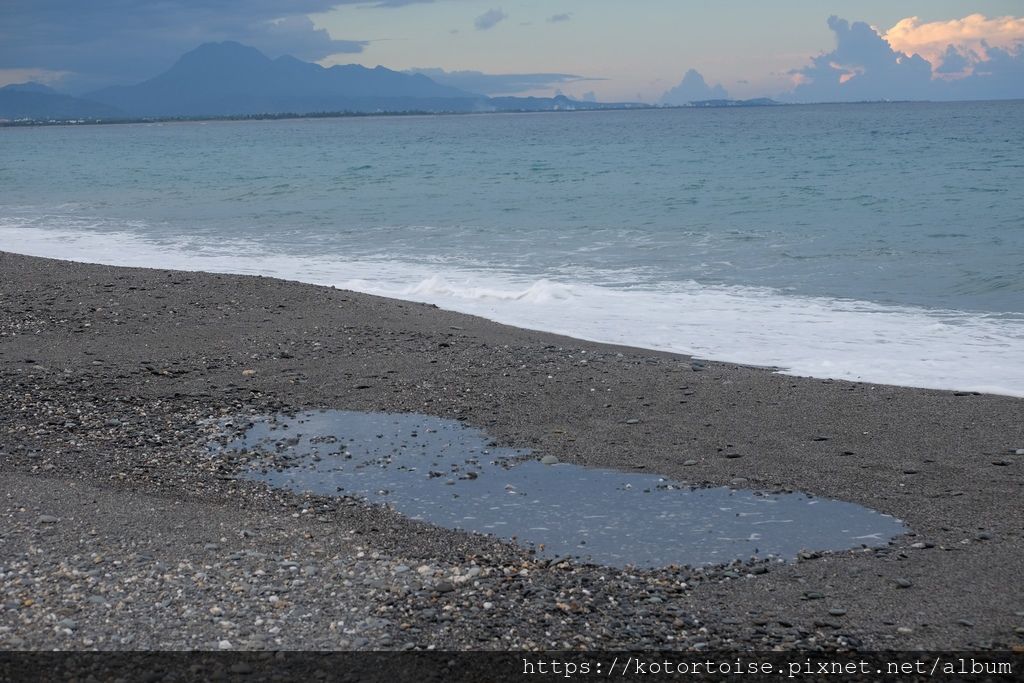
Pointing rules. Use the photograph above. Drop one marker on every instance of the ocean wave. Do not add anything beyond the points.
(800, 335)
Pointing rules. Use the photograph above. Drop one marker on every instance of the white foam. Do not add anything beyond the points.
(808, 336)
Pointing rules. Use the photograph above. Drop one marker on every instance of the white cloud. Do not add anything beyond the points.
(972, 37)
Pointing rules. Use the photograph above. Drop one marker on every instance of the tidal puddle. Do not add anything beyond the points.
(445, 473)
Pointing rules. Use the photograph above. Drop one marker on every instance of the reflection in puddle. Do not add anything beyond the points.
(445, 473)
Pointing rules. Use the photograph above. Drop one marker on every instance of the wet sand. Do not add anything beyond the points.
(119, 529)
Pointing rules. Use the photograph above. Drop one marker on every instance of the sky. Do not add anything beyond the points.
(667, 51)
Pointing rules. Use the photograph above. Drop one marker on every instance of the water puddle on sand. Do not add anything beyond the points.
(445, 473)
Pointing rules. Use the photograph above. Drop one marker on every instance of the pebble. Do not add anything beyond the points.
(549, 460)
(904, 583)
(220, 600)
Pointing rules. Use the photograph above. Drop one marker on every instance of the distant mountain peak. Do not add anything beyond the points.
(220, 55)
(229, 79)
(29, 86)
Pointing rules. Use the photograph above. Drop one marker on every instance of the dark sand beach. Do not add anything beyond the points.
(119, 530)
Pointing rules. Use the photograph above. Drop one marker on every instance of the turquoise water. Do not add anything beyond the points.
(880, 242)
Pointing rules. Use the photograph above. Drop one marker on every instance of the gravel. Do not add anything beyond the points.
(121, 529)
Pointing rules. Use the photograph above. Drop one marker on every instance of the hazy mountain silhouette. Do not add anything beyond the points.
(39, 102)
(227, 79)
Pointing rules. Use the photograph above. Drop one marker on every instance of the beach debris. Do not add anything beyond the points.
(248, 373)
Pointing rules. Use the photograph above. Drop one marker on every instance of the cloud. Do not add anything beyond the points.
(299, 37)
(693, 88)
(952, 62)
(556, 18)
(499, 84)
(862, 67)
(116, 41)
(865, 66)
(489, 19)
(971, 36)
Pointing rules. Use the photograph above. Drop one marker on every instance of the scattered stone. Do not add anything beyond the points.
(691, 463)
(46, 519)
(904, 583)
(549, 460)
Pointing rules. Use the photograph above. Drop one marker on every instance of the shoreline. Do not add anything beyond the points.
(105, 430)
(843, 339)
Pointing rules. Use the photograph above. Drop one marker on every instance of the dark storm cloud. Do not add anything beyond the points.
(122, 41)
(489, 19)
(864, 66)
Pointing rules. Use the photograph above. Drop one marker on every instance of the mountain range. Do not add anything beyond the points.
(231, 79)
(37, 101)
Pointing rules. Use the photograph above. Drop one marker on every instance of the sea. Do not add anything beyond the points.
(878, 242)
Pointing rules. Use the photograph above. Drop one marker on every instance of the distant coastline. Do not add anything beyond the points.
(287, 116)
(603, 107)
